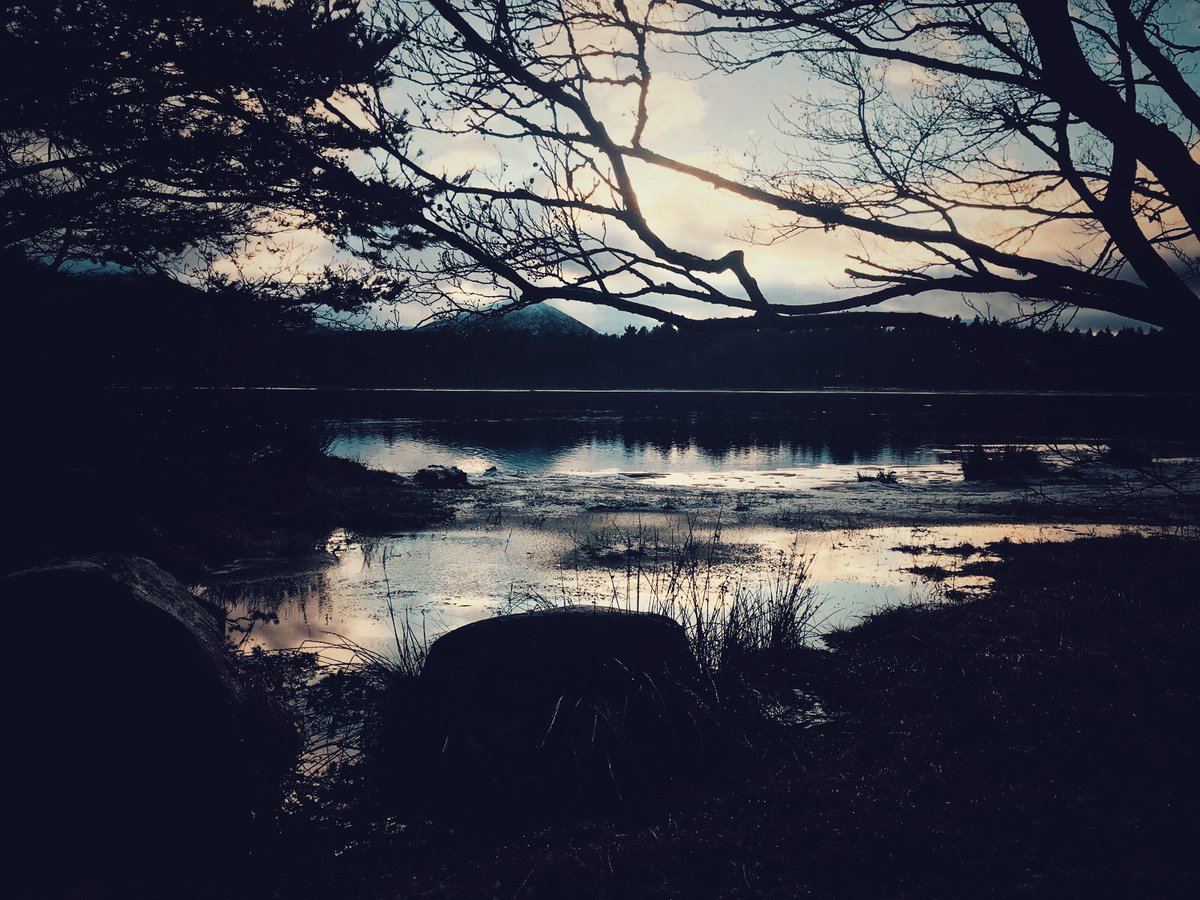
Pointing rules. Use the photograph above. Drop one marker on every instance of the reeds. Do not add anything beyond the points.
(738, 630)
(692, 575)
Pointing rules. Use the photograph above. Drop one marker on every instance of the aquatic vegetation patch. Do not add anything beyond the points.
(1001, 465)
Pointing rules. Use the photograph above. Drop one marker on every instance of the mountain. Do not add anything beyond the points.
(539, 319)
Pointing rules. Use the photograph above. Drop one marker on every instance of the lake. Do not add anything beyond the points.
(596, 497)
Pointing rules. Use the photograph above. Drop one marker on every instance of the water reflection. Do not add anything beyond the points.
(439, 580)
(766, 459)
(665, 432)
(294, 606)
(552, 446)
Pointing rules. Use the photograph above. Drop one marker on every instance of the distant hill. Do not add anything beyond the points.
(541, 320)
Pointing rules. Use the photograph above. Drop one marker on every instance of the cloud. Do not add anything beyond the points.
(284, 256)
(675, 109)
(469, 153)
(673, 105)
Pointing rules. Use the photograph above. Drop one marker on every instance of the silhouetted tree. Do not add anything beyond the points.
(1072, 125)
(1033, 149)
(140, 133)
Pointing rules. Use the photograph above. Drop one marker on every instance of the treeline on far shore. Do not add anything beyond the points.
(121, 332)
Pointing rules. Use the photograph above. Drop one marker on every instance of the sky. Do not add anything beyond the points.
(713, 122)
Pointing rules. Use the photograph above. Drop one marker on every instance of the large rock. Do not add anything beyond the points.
(577, 648)
(441, 477)
(578, 709)
(140, 759)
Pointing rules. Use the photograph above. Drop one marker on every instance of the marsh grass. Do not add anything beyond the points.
(623, 744)
(742, 633)
(693, 575)
(332, 689)
(881, 476)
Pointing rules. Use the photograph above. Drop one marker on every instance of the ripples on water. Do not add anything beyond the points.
(439, 580)
(720, 444)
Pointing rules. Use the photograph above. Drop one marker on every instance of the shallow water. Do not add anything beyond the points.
(433, 581)
(570, 483)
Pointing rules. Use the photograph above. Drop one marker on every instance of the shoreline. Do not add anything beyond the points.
(769, 392)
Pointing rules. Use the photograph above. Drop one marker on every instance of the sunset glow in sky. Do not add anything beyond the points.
(724, 122)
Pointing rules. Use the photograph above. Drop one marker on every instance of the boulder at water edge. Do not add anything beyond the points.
(572, 710)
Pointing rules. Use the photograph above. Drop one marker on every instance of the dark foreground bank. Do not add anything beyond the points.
(1038, 741)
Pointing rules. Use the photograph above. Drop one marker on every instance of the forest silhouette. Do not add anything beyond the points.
(135, 331)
